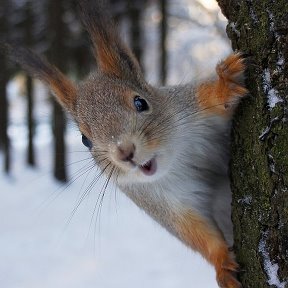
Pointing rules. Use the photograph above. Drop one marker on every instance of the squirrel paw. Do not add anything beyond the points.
(231, 80)
(226, 276)
(226, 279)
(223, 94)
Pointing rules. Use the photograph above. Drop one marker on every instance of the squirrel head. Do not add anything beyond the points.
(125, 122)
(125, 126)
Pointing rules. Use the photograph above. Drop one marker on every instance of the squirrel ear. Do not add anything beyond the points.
(63, 88)
(113, 56)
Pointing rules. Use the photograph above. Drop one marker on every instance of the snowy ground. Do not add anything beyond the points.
(125, 248)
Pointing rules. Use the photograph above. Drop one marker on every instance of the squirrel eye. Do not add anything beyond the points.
(140, 104)
(86, 142)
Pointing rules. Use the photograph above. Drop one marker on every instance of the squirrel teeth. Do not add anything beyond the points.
(149, 168)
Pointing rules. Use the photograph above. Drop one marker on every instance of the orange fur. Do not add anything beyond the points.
(201, 236)
(113, 56)
(108, 60)
(115, 59)
(154, 144)
(221, 95)
(38, 67)
(63, 88)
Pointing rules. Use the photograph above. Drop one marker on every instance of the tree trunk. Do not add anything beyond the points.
(57, 57)
(136, 33)
(163, 40)
(4, 139)
(30, 121)
(29, 87)
(59, 124)
(259, 164)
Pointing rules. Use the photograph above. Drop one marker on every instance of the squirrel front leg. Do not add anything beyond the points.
(220, 96)
(204, 237)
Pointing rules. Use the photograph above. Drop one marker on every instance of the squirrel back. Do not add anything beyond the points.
(166, 148)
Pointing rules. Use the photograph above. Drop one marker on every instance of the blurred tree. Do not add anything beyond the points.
(79, 53)
(135, 9)
(163, 40)
(131, 10)
(4, 77)
(259, 165)
(57, 55)
(28, 26)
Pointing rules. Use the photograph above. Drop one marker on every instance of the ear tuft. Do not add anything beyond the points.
(112, 55)
(38, 67)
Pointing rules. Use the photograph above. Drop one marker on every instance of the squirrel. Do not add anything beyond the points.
(167, 148)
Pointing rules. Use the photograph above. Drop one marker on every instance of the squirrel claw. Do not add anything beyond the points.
(227, 279)
(222, 95)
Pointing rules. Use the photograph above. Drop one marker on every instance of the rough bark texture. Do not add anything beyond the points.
(259, 165)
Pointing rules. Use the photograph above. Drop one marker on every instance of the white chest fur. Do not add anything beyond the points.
(196, 181)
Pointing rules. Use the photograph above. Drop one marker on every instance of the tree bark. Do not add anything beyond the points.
(259, 164)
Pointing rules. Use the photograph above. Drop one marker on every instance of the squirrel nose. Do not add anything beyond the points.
(126, 152)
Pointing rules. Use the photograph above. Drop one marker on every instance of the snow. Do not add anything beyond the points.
(281, 61)
(246, 200)
(272, 25)
(271, 163)
(267, 130)
(272, 94)
(273, 98)
(264, 133)
(271, 268)
(234, 29)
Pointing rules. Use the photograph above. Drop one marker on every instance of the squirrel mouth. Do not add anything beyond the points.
(149, 168)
